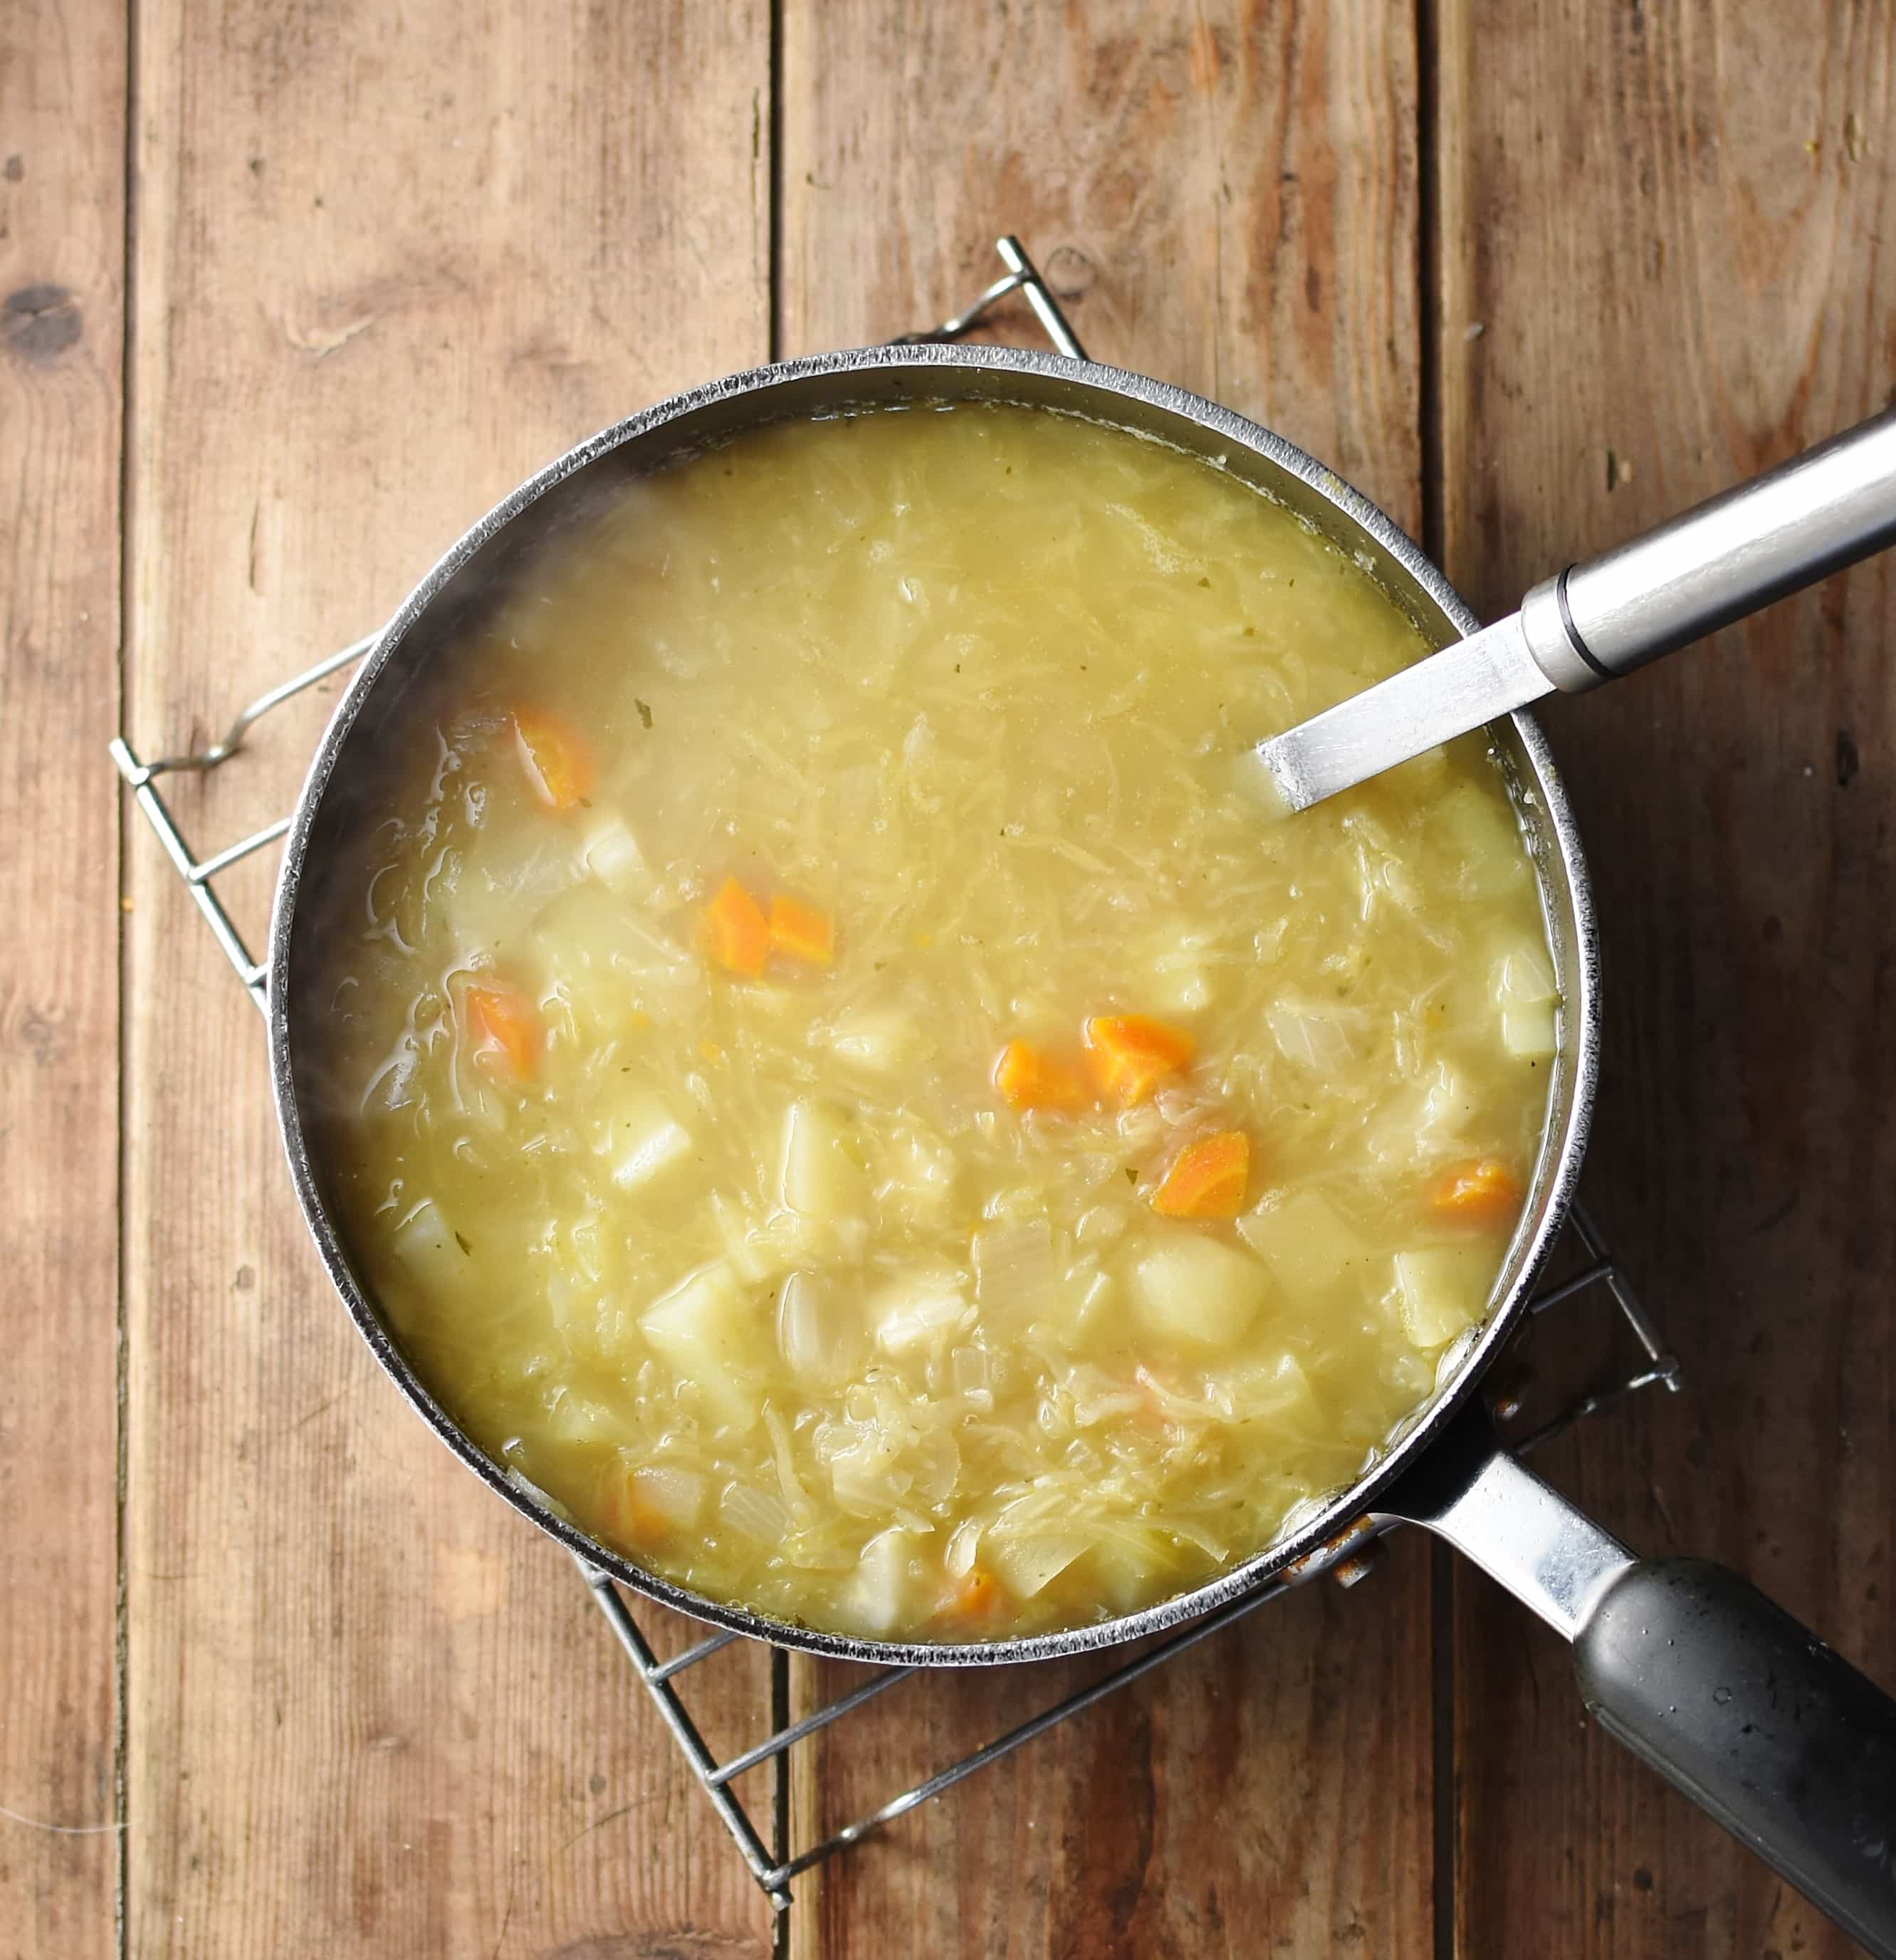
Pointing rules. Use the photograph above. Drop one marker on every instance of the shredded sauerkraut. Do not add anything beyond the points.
(836, 1084)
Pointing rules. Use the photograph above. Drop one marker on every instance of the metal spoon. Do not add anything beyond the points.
(1592, 622)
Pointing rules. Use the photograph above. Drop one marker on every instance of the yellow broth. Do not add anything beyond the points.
(835, 1077)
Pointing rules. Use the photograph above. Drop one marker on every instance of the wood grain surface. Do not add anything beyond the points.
(1532, 273)
(386, 263)
(1226, 199)
(61, 314)
(1665, 221)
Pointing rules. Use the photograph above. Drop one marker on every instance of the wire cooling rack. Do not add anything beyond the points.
(1588, 1272)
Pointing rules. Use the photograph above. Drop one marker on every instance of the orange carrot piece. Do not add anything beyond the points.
(1131, 1054)
(976, 1599)
(736, 933)
(631, 1520)
(1031, 1078)
(1486, 1193)
(1207, 1180)
(555, 756)
(503, 1031)
(799, 931)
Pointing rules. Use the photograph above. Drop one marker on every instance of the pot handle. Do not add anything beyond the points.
(1718, 1689)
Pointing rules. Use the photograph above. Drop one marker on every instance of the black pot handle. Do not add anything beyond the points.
(1695, 1671)
(1759, 1723)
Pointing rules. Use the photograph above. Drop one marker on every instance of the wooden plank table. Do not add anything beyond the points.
(288, 294)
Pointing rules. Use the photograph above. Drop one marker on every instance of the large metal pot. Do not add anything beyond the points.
(1773, 1733)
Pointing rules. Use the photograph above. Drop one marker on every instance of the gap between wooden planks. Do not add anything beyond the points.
(386, 265)
(1227, 199)
(61, 245)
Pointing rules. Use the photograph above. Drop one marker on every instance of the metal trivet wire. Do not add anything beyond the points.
(1345, 1558)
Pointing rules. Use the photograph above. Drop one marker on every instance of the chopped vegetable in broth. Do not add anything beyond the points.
(835, 1080)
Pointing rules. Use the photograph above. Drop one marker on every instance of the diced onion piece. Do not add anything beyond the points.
(1030, 1560)
(699, 1328)
(1198, 1290)
(1427, 1120)
(754, 1513)
(912, 1312)
(426, 1245)
(1276, 1390)
(644, 1141)
(958, 1560)
(1530, 1031)
(611, 854)
(1311, 1038)
(971, 1371)
(864, 1477)
(1443, 1290)
(817, 1332)
(822, 1173)
(1014, 1267)
(1305, 1241)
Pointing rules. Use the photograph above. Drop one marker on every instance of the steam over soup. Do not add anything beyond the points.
(834, 1079)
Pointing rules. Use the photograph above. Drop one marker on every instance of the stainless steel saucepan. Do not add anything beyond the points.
(1751, 1716)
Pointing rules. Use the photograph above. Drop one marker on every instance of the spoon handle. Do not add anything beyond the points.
(1823, 510)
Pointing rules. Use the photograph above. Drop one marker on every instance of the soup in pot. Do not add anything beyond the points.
(833, 1077)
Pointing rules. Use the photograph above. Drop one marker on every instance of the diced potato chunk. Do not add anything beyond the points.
(702, 1326)
(1530, 1031)
(426, 1246)
(1029, 1561)
(1309, 1245)
(1480, 835)
(666, 1492)
(1275, 1389)
(644, 1141)
(880, 1596)
(823, 1175)
(913, 1311)
(584, 1419)
(1523, 975)
(1197, 1290)
(1442, 1289)
(882, 1042)
(611, 854)
(920, 1173)
(1313, 1037)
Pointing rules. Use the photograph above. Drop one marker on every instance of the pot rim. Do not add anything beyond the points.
(1534, 1240)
